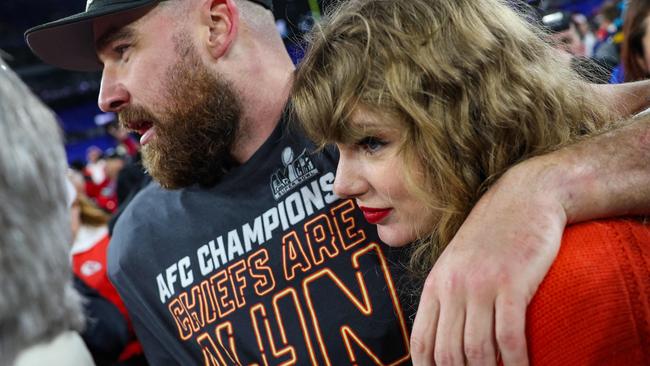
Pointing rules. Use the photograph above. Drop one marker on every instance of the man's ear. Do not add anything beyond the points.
(222, 18)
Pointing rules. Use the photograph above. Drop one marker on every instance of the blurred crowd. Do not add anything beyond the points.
(611, 44)
(103, 185)
(103, 177)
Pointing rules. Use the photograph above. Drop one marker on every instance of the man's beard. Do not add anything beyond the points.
(197, 129)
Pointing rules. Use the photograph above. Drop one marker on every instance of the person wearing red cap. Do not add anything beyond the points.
(240, 252)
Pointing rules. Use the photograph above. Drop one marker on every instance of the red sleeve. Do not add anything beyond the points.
(593, 307)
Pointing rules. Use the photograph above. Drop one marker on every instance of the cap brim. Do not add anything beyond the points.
(69, 43)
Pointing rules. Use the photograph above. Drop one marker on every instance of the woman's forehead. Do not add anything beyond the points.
(366, 119)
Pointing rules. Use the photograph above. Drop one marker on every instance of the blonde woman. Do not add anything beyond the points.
(430, 103)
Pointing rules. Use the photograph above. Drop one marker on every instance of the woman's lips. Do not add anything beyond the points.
(375, 215)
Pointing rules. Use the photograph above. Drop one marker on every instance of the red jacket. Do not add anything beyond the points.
(593, 307)
(89, 265)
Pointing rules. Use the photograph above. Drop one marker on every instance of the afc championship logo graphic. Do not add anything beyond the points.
(295, 171)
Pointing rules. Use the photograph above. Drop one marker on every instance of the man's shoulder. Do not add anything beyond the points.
(149, 202)
(151, 191)
(141, 215)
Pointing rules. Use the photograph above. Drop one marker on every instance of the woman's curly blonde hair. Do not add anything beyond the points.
(474, 87)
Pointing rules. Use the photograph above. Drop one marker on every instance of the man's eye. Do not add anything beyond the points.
(121, 49)
(371, 144)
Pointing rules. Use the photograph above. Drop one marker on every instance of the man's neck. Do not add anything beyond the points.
(263, 111)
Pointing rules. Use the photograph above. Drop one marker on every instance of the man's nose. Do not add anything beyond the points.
(113, 95)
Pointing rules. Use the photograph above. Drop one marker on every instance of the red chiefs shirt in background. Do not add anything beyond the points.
(89, 264)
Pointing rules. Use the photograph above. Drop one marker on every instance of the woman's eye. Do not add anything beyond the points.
(371, 144)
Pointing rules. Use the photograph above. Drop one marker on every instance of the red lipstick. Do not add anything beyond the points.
(375, 215)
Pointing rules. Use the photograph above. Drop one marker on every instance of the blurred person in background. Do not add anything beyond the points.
(94, 172)
(107, 198)
(103, 168)
(126, 145)
(635, 48)
(565, 32)
(40, 312)
(607, 19)
(131, 175)
(130, 180)
(609, 36)
(101, 174)
(76, 178)
(586, 35)
(109, 334)
(570, 34)
(95, 165)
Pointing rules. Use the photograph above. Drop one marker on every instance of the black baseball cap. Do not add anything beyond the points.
(69, 43)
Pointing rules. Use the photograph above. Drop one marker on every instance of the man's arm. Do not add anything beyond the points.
(625, 99)
(610, 173)
(474, 299)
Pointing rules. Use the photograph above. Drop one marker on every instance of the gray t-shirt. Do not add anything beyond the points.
(267, 267)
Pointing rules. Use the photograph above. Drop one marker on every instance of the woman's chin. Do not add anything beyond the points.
(394, 238)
